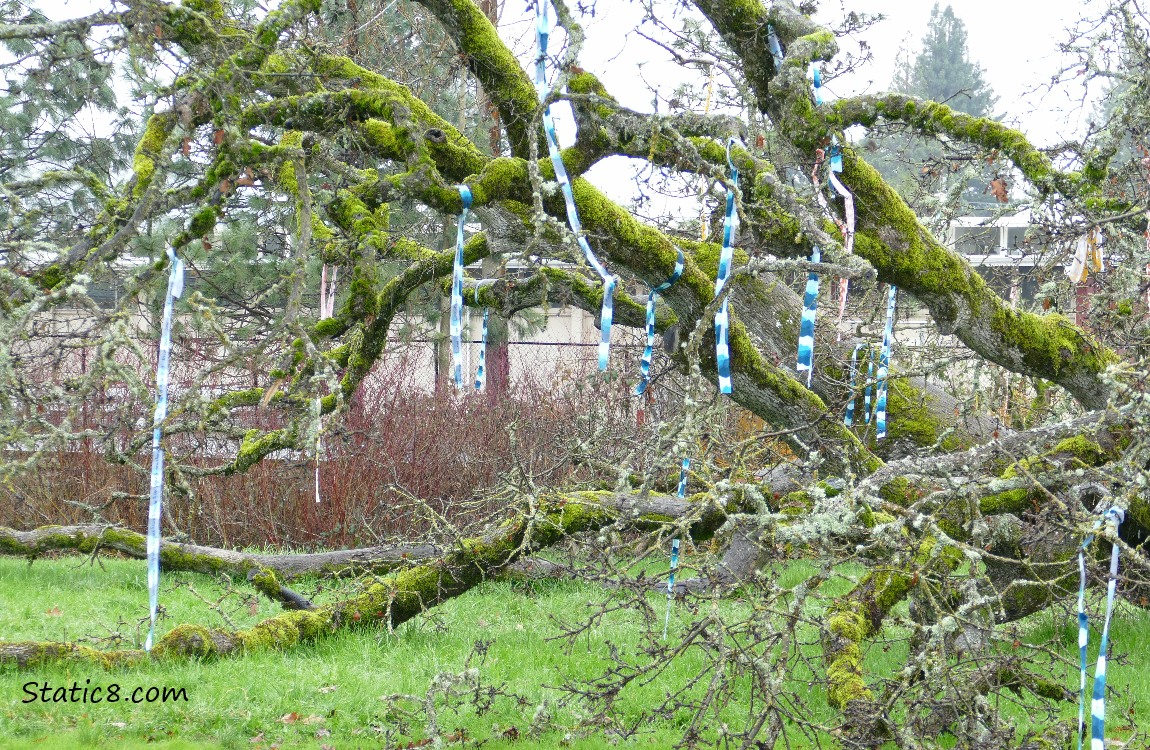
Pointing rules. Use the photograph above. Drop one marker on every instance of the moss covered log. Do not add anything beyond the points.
(93, 539)
(390, 602)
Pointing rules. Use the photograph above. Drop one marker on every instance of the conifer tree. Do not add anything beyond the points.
(942, 71)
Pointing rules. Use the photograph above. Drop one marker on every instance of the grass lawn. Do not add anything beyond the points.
(329, 694)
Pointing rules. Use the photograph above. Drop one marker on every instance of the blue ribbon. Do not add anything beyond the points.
(156, 488)
(648, 350)
(817, 80)
(674, 564)
(541, 34)
(807, 325)
(481, 370)
(675, 547)
(849, 418)
(722, 318)
(671, 582)
(836, 155)
(884, 363)
(457, 292)
(867, 390)
(775, 47)
(1113, 518)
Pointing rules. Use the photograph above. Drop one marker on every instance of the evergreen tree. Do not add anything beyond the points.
(942, 71)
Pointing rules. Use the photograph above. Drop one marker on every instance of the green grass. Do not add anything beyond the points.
(334, 688)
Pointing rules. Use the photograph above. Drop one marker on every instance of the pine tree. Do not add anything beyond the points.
(942, 71)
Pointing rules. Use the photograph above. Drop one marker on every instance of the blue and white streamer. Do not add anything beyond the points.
(541, 34)
(1113, 518)
(807, 325)
(648, 350)
(817, 80)
(683, 470)
(849, 418)
(481, 370)
(869, 382)
(723, 318)
(671, 583)
(775, 47)
(457, 292)
(884, 363)
(156, 488)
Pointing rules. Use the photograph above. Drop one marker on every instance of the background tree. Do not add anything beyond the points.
(941, 71)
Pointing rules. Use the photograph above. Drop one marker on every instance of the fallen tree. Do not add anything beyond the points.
(974, 521)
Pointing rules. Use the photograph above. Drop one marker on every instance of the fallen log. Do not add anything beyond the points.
(390, 602)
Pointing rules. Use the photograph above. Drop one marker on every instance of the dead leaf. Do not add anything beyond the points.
(321, 733)
(312, 719)
(291, 718)
(329, 688)
(225, 186)
(186, 146)
(54, 612)
(258, 738)
(247, 179)
(208, 246)
(511, 734)
(218, 136)
(253, 603)
(998, 188)
(117, 724)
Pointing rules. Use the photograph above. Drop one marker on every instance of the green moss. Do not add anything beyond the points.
(149, 148)
(256, 445)
(50, 277)
(203, 221)
(329, 327)
(1011, 501)
(587, 83)
(213, 9)
(1083, 449)
(844, 671)
(186, 640)
(1050, 343)
(899, 491)
(890, 588)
